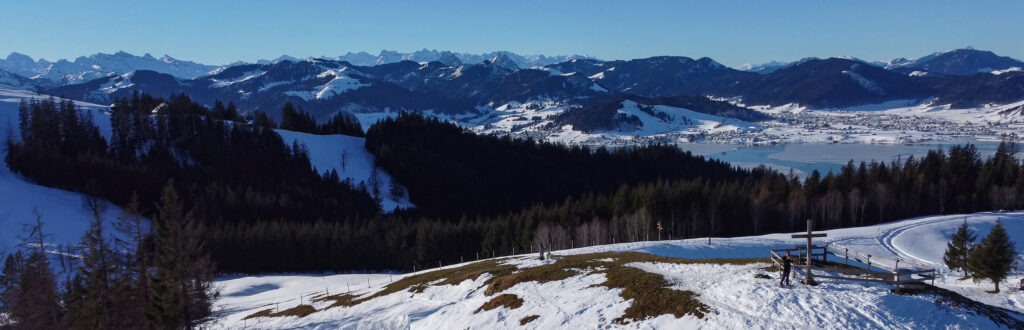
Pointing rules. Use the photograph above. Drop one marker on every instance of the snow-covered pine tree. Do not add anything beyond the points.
(993, 258)
(958, 247)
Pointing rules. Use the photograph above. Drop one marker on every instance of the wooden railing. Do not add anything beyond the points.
(896, 271)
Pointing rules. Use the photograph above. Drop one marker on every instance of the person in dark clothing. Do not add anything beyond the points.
(787, 264)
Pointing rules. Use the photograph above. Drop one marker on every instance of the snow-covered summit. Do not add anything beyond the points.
(589, 297)
(85, 68)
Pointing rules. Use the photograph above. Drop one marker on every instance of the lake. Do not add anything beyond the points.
(804, 158)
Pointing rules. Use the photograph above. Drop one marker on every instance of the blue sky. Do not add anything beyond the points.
(732, 32)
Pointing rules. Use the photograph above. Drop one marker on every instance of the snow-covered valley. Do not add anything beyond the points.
(901, 122)
(735, 297)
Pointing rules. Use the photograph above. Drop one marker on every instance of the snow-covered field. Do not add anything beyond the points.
(737, 298)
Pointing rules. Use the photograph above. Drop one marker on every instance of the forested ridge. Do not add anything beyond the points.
(260, 207)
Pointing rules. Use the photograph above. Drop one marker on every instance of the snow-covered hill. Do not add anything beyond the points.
(64, 216)
(586, 297)
(62, 213)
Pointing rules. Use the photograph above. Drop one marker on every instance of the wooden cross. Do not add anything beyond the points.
(810, 277)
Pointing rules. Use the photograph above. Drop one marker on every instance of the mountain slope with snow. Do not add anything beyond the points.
(735, 298)
(65, 218)
(62, 212)
(964, 61)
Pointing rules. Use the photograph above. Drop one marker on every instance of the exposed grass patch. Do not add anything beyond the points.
(507, 300)
(650, 293)
(299, 311)
(1002, 316)
(418, 283)
(528, 319)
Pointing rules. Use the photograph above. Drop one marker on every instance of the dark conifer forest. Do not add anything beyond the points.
(259, 206)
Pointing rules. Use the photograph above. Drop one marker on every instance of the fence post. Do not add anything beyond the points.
(869, 262)
(513, 251)
(478, 256)
(847, 256)
(824, 252)
(896, 270)
(439, 264)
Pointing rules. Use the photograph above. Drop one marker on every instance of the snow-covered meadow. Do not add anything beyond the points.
(737, 298)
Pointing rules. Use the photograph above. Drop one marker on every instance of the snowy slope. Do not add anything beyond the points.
(325, 153)
(62, 211)
(63, 215)
(739, 300)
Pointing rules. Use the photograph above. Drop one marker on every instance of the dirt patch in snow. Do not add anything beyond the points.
(300, 311)
(507, 300)
(528, 319)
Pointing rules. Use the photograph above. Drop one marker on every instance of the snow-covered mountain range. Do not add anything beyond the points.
(86, 68)
(549, 97)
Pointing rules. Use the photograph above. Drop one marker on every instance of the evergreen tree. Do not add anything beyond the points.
(37, 305)
(10, 285)
(396, 191)
(958, 248)
(374, 183)
(132, 283)
(992, 259)
(261, 119)
(91, 302)
(181, 286)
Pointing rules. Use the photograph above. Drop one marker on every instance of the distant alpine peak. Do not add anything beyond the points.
(961, 61)
(502, 60)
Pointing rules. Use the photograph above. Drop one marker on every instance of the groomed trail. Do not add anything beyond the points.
(735, 298)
